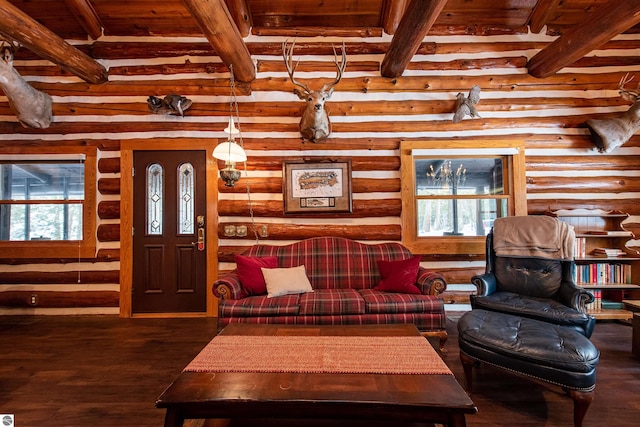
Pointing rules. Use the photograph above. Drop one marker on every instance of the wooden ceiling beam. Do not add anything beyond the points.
(392, 15)
(414, 26)
(241, 14)
(541, 13)
(217, 25)
(20, 27)
(611, 19)
(86, 15)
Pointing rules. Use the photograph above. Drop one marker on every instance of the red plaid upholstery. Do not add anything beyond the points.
(331, 301)
(261, 306)
(389, 302)
(343, 274)
(333, 262)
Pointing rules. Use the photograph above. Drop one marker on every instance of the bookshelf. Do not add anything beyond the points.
(605, 264)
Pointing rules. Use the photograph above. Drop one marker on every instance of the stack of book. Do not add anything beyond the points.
(609, 252)
(616, 233)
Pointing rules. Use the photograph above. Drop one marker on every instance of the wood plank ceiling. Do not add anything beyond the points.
(45, 27)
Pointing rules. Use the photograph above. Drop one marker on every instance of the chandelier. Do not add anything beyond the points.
(230, 151)
(445, 177)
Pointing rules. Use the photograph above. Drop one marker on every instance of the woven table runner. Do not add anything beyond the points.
(325, 354)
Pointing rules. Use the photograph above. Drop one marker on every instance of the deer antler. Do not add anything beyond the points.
(630, 95)
(341, 66)
(287, 53)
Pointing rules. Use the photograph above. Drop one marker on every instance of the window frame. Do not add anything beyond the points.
(85, 248)
(516, 196)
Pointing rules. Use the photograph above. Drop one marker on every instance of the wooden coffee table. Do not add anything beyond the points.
(330, 397)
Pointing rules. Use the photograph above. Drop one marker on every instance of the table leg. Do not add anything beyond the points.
(173, 418)
(457, 420)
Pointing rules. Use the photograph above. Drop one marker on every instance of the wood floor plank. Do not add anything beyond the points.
(106, 371)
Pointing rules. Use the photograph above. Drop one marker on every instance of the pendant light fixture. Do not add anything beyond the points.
(230, 151)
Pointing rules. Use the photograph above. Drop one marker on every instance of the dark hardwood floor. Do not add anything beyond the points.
(106, 371)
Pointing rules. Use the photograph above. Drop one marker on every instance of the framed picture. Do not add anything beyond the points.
(317, 187)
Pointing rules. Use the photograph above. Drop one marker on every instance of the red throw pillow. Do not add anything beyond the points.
(250, 273)
(399, 276)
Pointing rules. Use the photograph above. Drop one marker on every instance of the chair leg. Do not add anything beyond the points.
(467, 366)
(581, 402)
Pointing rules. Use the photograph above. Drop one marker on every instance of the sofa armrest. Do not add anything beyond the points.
(430, 283)
(228, 286)
(484, 283)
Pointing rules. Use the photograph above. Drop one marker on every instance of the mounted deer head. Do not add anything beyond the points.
(32, 107)
(314, 123)
(609, 134)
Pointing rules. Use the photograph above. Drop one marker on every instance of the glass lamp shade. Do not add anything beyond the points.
(230, 152)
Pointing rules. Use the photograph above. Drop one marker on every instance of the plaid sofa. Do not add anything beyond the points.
(343, 273)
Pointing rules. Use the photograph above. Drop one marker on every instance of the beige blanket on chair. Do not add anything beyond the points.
(537, 236)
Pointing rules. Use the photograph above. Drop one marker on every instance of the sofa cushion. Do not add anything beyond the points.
(399, 276)
(285, 281)
(250, 275)
(260, 306)
(332, 301)
(385, 302)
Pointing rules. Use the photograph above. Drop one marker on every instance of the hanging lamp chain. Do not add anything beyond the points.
(234, 112)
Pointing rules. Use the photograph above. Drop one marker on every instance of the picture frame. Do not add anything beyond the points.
(315, 187)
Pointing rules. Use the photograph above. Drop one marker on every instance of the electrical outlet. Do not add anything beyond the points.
(34, 299)
(229, 230)
(241, 231)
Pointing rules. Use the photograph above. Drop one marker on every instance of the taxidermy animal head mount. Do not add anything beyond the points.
(609, 134)
(171, 104)
(466, 106)
(314, 123)
(32, 107)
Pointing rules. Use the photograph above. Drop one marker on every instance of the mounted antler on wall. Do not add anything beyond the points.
(609, 134)
(32, 107)
(314, 124)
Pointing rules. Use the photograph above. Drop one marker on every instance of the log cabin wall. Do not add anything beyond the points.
(370, 116)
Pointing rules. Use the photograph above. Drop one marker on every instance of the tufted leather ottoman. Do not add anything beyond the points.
(556, 354)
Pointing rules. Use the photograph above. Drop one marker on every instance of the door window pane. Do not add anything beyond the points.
(155, 193)
(186, 188)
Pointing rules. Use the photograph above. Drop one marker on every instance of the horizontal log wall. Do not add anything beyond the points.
(371, 115)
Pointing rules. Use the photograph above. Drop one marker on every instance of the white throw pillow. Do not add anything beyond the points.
(285, 281)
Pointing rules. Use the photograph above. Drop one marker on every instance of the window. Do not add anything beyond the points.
(452, 194)
(48, 203)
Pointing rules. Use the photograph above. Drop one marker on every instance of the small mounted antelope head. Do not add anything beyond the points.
(609, 134)
(32, 107)
(314, 123)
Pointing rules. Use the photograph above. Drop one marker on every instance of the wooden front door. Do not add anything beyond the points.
(169, 223)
